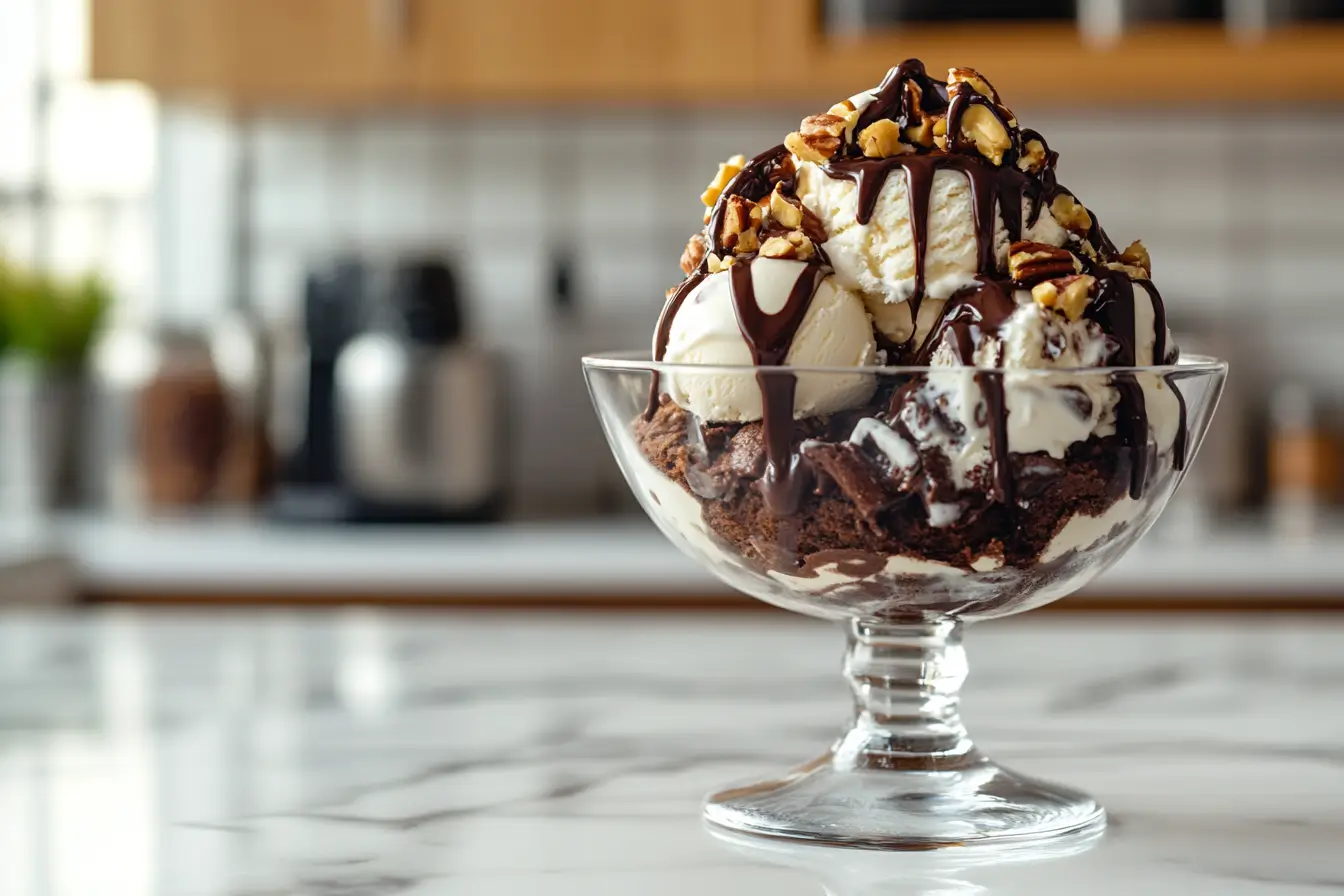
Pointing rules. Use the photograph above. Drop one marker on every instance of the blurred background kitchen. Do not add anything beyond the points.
(293, 292)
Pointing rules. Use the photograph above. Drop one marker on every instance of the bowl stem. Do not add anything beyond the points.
(906, 680)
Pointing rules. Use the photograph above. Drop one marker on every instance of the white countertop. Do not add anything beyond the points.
(440, 755)
(618, 558)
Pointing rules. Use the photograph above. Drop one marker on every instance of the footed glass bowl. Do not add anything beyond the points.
(931, 498)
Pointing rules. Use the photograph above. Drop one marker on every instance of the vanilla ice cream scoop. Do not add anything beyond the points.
(877, 257)
(835, 331)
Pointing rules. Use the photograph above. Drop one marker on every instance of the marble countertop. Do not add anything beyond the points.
(598, 559)
(364, 753)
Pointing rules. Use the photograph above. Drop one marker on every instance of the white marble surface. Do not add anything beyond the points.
(613, 558)
(357, 753)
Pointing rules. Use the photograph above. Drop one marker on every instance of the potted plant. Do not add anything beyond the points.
(47, 324)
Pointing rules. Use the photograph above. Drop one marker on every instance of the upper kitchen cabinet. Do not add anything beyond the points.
(343, 52)
(352, 51)
(255, 51)
(581, 50)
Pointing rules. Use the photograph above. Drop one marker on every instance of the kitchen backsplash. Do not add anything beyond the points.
(1243, 226)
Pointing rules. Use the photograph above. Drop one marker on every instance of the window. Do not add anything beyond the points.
(77, 160)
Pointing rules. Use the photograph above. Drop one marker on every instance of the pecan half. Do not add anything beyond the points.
(1030, 262)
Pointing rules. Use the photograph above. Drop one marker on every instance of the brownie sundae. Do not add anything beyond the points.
(914, 225)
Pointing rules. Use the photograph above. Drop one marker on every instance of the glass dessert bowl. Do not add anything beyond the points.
(906, 514)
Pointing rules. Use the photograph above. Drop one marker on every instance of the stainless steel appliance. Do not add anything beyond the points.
(419, 408)
(393, 415)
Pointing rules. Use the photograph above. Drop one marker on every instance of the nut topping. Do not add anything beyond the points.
(720, 263)
(982, 127)
(882, 139)
(845, 110)
(1066, 294)
(1033, 157)
(784, 212)
(693, 254)
(1070, 214)
(737, 220)
(818, 138)
(793, 244)
(1129, 270)
(1136, 255)
(974, 80)
(727, 171)
(1030, 263)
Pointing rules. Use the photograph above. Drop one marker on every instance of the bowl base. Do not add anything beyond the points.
(977, 804)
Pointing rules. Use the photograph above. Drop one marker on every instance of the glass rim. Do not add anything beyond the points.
(639, 361)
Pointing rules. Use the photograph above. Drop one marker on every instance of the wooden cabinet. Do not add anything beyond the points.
(355, 51)
(352, 52)
(263, 51)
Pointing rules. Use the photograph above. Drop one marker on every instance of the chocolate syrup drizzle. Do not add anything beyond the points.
(967, 319)
(768, 336)
(974, 314)
(906, 95)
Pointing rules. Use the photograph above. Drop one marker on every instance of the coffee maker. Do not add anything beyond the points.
(404, 415)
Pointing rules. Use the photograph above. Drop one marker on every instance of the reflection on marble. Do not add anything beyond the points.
(359, 753)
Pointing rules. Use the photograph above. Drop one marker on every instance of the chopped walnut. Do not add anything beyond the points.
(1136, 255)
(802, 244)
(1070, 214)
(1134, 273)
(793, 244)
(727, 171)
(784, 212)
(818, 138)
(846, 111)
(920, 129)
(720, 263)
(974, 80)
(736, 219)
(882, 140)
(693, 254)
(1066, 294)
(1033, 157)
(982, 127)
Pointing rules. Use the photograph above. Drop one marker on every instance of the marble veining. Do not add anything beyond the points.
(361, 753)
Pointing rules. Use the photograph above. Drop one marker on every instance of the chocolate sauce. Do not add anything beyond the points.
(1113, 309)
(892, 100)
(968, 319)
(664, 331)
(752, 182)
(958, 142)
(769, 337)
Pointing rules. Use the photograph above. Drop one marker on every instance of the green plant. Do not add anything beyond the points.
(49, 319)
